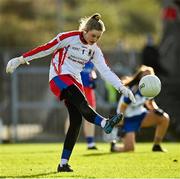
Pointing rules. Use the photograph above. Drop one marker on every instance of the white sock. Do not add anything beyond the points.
(103, 123)
(63, 162)
(91, 144)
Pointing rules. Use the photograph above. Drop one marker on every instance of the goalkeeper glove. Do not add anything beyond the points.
(127, 93)
(14, 63)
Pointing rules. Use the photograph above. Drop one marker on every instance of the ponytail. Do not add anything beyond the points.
(93, 22)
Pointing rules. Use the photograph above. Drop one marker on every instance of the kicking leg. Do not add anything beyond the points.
(73, 94)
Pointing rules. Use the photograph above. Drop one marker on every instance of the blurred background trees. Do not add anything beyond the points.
(32, 22)
(25, 24)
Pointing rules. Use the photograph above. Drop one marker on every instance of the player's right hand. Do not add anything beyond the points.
(128, 93)
(14, 63)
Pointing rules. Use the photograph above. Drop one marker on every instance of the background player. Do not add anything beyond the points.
(143, 113)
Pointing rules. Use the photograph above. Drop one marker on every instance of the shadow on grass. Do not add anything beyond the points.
(99, 154)
(30, 176)
(116, 153)
(43, 175)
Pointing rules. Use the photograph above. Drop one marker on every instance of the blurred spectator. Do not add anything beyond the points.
(151, 57)
(169, 46)
(177, 3)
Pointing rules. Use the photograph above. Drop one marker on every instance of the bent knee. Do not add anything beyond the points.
(163, 119)
(166, 118)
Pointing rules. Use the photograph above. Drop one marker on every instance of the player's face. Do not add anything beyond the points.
(92, 36)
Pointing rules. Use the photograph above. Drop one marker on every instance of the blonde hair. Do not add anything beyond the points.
(93, 22)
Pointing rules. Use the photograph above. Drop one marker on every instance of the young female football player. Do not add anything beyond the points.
(71, 50)
(144, 113)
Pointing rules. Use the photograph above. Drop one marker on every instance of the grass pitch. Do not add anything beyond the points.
(40, 161)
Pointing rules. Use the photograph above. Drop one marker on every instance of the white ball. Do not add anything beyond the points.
(150, 86)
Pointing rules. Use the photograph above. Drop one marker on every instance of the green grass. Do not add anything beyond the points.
(40, 160)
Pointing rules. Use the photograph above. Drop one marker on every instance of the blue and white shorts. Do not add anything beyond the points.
(133, 124)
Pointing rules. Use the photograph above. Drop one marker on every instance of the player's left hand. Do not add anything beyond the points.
(128, 93)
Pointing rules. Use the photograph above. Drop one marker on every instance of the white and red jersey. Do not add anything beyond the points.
(70, 53)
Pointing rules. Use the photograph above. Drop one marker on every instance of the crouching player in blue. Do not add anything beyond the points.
(143, 113)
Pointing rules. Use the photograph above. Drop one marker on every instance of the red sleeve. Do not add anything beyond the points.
(41, 48)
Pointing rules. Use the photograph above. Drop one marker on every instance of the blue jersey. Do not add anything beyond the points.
(88, 75)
